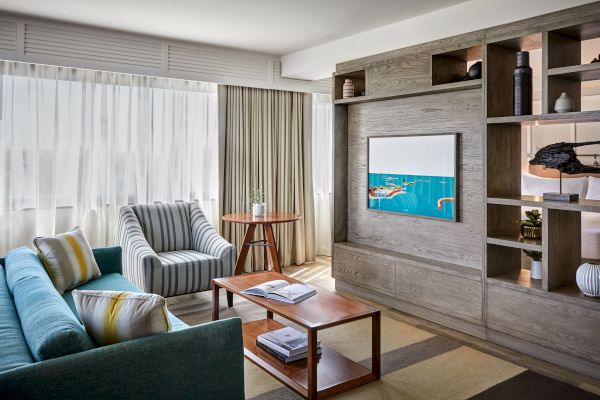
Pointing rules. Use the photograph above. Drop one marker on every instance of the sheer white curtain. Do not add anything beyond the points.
(322, 147)
(76, 145)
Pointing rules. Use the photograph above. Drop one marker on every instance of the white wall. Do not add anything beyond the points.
(319, 61)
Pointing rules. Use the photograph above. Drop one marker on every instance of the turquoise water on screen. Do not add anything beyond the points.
(428, 196)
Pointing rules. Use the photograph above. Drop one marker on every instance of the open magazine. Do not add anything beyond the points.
(282, 291)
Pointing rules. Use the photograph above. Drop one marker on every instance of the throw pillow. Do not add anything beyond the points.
(68, 259)
(112, 317)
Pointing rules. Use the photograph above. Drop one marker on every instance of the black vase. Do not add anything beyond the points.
(522, 85)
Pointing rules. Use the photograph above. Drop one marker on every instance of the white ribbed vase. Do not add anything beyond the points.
(588, 279)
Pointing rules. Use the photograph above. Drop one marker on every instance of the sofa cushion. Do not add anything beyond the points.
(114, 316)
(116, 282)
(51, 330)
(68, 259)
(188, 271)
(13, 347)
(165, 226)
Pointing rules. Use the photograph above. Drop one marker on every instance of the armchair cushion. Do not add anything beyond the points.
(165, 226)
(188, 271)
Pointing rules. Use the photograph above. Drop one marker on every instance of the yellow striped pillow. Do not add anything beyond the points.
(68, 259)
(111, 317)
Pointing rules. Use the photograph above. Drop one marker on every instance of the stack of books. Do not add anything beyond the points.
(286, 344)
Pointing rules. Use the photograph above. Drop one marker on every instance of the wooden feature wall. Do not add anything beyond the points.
(470, 275)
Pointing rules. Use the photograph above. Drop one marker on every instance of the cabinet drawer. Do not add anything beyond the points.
(373, 272)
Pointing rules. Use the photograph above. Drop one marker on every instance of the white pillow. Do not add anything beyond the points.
(112, 317)
(536, 186)
(593, 192)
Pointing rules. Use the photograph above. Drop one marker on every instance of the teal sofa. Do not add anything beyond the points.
(200, 362)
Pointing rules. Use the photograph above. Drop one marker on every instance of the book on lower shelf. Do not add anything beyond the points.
(286, 344)
(282, 290)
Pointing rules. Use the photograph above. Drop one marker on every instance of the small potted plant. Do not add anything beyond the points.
(536, 263)
(257, 199)
(531, 227)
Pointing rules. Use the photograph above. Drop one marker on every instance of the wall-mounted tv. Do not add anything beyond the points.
(414, 175)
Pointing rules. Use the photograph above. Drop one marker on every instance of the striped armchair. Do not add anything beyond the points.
(171, 249)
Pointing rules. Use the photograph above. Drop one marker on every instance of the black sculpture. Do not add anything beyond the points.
(562, 156)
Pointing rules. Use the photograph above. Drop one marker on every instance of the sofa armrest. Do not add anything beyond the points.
(202, 362)
(109, 259)
(140, 260)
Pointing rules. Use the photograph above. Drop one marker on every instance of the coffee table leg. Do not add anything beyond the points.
(229, 299)
(312, 364)
(215, 301)
(376, 344)
(269, 314)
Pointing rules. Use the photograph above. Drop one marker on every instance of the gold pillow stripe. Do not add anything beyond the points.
(111, 317)
(68, 259)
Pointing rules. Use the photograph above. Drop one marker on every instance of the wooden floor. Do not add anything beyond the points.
(196, 309)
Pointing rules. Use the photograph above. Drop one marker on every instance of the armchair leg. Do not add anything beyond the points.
(229, 299)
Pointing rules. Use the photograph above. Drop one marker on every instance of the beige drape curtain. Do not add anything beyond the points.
(266, 144)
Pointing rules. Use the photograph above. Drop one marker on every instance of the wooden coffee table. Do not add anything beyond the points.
(318, 376)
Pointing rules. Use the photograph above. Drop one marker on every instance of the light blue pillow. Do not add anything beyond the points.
(50, 327)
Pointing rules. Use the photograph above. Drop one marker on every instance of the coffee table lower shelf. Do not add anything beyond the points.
(335, 373)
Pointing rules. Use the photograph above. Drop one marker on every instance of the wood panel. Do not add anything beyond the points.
(457, 243)
(545, 321)
(377, 273)
(499, 66)
(340, 173)
(503, 160)
(409, 72)
(450, 294)
(562, 247)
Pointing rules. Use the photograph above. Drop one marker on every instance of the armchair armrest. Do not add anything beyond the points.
(141, 261)
(202, 362)
(205, 238)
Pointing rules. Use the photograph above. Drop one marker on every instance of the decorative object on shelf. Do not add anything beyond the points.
(531, 227)
(563, 104)
(536, 263)
(257, 199)
(348, 89)
(562, 156)
(595, 60)
(475, 71)
(588, 279)
(414, 175)
(522, 85)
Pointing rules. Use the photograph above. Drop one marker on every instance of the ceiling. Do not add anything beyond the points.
(276, 27)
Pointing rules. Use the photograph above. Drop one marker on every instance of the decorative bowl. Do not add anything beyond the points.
(588, 279)
(531, 232)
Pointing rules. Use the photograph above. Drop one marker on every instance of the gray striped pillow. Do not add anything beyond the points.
(166, 226)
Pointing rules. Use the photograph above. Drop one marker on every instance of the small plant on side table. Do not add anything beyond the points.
(257, 200)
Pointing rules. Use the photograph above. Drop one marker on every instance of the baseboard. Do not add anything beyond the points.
(553, 356)
(413, 309)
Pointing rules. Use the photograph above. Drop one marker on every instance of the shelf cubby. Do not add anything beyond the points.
(359, 78)
(501, 60)
(449, 67)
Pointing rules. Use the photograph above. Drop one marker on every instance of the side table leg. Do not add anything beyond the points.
(376, 344)
(312, 364)
(239, 265)
(272, 248)
(265, 250)
(215, 301)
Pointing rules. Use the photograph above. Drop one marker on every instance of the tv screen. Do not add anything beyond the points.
(414, 175)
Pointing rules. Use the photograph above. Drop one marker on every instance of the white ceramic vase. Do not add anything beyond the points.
(563, 104)
(348, 89)
(588, 279)
(536, 269)
(258, 209)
